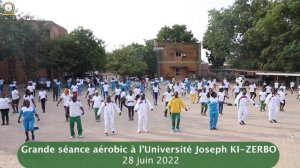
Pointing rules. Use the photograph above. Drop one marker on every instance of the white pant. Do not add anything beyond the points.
(242, 113)
(273, 111)
(109, 120)
(143, 121)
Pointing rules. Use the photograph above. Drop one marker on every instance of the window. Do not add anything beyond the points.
(178, 54)
(177, 71)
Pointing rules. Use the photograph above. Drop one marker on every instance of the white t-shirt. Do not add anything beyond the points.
(263, 96)
(91, 91)
(268, 89)
(226, 84)
(236, 89)
(74, 88)
(221, 96)
(281, 95)
(168, 96)
(4, 103)
(276, 84)
(170, 85)
(155, 89)
(203, 97)
(30, 88)
(193, 90)
(123, 94)
(137, 91)
(118, 91)
(199, 85)
(251, 88)
(42, 94)
(1, 81)
(292, 84)
(66, 99)
(15, 94)
(48, 83)
(105, 88)
(75, 108)
(30, 98)
(299, 88)
(33, 85)
(97, 101)
(183, 87)
(283, 87)
(130, 100)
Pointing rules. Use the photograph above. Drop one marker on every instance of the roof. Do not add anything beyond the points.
(277, 74)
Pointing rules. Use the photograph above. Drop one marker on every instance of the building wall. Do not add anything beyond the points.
(53, 31)
(188, 62)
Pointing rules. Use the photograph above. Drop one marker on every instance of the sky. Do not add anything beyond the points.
(122, 22)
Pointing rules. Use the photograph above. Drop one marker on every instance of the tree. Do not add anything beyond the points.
(176, 33)
(76, 53)
(128, 60)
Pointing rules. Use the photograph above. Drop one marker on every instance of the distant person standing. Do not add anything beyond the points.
(242, 109)
(203, 100)
(1, 85)
(141, 107)
(236, 90)
(273, 101)
(167, 95)
(28, 112)
(282, 95)
(105, 89)
(48, 85)
(66, 97)
(43, 99)
(155, 93)
(292, 86)
(252, 89)
(4, 108)
(96, 103)
(130, 105)
(262, 98)
(15, 96)
(298, 92)
(213, 104)
(276, 85)
(55, 91)
(175, 105)
(221, 97)
(268, 89)
(76, 110)
(74, 89)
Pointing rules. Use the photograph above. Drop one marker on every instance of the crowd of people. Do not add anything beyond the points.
(132, 95)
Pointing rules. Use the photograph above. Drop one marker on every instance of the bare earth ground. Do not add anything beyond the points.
(194, 127)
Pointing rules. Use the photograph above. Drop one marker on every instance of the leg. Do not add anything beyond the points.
(205, 108)
(79, 126)
(43, 102)
(178, 120)
(139, 122)
(211, 121)
(72, 122)
(215, 121)
(240, 113)
(112, 122)
(173, 120)
(2, 116)
(6, 116)
(202, 107)
(145, 122)
(106, 122)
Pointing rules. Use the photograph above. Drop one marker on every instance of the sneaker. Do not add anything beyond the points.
(215, 128)
(275, 121)
(139, 131)
(80, 136)
(177, 130)
(27, 139)
(243, 123)
(146, 131)
(106, 134)
(33, 138)
(173, 130)
(71, 137)
(271, 121)
(113, 132)
(211, 128)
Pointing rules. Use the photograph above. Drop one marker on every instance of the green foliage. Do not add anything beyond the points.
(176, 33)
(257, 34)
(78, 52)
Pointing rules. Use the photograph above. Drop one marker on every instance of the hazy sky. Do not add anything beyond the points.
(120, 22)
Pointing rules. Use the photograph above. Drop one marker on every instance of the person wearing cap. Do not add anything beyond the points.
(96, 102)
(4, 108)
(76, 110)
(28, 112)
(141, 107)
(108, 108)
(175, 105)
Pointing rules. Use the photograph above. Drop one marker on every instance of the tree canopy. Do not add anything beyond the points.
(176, 33)
(257, 34)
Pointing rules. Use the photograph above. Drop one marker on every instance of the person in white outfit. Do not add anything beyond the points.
(273, 102)
(141, 107)
(108, 108)
(241, 105)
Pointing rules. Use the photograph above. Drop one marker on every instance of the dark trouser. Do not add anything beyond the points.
(1, 88)
(221, 104)
(55, 95)
(4, 115)
(118, 97)
(203, 108)
(252, 95)
(43, 102)
(130, 111)
(67, 113)
(282, 105)
(175, 117)
(166, 110)
(155, 98)
(123, 103)
(76, 120)
(236, 94)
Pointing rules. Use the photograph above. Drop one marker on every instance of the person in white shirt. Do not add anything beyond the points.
(15, 96)
(66, 97)
(273, 101)
(221, 97)
(48, 85)
(252, 88)
(282, 95)
(262, 98)
(76, 110)
(155, 93)
(292, 86)
(276, 85)
(43, 99)
(74, 89)
(183, 90)
(236, 89)
(226, 87)
(30, 87)
(298, 92)
(4, 108)
(1, 85)
(108, 108)
(105, 90)
(177, 88)
(90, 93)
(123, 98)
(130, 105)
(268, 89)
(203, 96)
(193, 94)
(28, 96)
(137, 92)
(283, 86)
(242, 109)
(141, 107)
(167, 95)
(96, 102)
(118, 95)
(33, 87)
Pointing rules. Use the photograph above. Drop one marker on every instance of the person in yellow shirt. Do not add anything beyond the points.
(175, 105)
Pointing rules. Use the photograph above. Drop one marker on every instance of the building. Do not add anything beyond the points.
(13, 68)
(179, 60)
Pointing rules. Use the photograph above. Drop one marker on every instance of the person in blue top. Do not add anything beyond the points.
(213, 110)
(113, 84)
(28, 113)
(128, 85)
